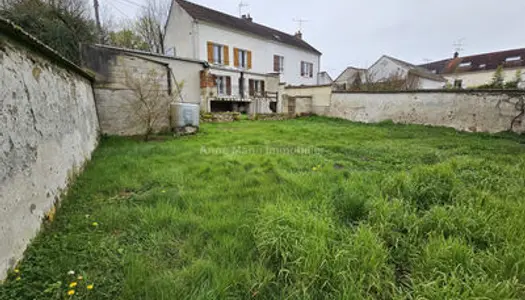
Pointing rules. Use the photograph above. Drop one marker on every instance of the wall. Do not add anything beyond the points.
(181, 33)
(429, 84)
(48, 130)
(115, 97)
(475, 79)
(309, 99)
(466, 111)
(262, 53)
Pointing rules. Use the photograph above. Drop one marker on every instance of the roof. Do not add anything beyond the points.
(479, 62)
(146, 53)
(202, 13)
(417, 70)
(349, 68)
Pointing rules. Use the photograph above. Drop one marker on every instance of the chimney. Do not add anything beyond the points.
(299, 35)
(247, 18)
(456, 54)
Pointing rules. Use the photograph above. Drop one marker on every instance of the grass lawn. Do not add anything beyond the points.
(310, 208)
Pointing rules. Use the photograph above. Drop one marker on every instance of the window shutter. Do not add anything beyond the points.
(276, 63)
(235, 57)
(226, 55)
(210, 52)
(249, 59)
(311, 70)
(251, 87)
(228, 85)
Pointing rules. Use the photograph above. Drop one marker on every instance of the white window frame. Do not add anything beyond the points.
(218, 54)
(221, 85)
(242, 58)
(281, 63)
(308, 69)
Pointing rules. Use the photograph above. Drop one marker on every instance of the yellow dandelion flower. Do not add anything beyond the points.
(17, 271)
(71, 292)
(90, 287)
(80, 277)
(72, 284)
(314, 169)
(95, 224)
(18, 278)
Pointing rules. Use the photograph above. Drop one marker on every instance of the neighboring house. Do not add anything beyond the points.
(239, 48)
(349, 77)
(389, 68)
(476, 70)
(324, 79)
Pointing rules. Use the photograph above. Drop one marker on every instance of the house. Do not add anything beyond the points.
(323, 78)
(239, 48)
(476, 70)
(351, 76)
(388, 68)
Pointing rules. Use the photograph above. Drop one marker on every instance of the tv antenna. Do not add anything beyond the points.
(241, 5)
(458, 45)
(300, 22)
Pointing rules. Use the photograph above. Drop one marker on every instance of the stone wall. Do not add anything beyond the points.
(465, 110)
(48, 130)
(475, 111)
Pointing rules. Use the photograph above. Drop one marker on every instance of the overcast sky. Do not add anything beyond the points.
(357, 32)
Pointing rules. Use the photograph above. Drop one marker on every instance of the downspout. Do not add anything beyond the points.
(318, 67)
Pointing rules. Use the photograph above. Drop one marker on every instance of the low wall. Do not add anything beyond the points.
(308, 99)
(48, 130)
(475, 111)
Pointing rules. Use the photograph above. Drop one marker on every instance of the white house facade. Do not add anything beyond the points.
(239, 44)
(477, 70)
(392, 68)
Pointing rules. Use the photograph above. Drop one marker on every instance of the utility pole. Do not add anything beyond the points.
(97, 19)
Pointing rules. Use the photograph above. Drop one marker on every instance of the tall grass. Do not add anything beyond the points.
(376, 212)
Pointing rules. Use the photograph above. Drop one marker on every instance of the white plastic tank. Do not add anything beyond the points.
(185, 114)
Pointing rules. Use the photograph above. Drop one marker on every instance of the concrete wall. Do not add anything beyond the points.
(467, 111)
(309, 99)
(48, 130)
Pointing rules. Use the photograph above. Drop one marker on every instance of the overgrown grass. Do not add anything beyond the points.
(375, 212)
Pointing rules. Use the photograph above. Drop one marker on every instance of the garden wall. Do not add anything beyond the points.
(475, 111)
(48, 130)
(466, 110)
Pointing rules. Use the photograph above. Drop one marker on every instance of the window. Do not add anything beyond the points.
(482, 66)
(278, 64)
(218, 54)
(465, 64)
(307, 69)
(256, 87)
(242, 58)
(458, 83)
(224, 87)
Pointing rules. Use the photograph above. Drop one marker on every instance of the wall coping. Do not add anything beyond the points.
(307, 86)
(438, 91)
(14, 31)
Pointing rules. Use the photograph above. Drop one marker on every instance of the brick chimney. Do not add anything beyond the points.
(299, 35)
(456, 54)
(247, 18)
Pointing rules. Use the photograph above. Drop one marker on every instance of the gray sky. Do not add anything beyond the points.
(357, 32)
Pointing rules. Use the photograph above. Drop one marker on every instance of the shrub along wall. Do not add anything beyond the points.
(48, 130)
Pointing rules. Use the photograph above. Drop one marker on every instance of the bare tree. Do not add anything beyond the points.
(151, 22)
(149, 104)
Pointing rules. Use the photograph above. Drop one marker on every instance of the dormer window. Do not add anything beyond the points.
(465, 64)
(513, 58)
(482, 66)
